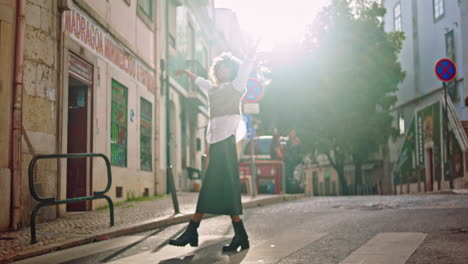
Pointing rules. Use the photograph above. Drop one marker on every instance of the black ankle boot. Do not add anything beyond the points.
(240, 238)
(189, 236)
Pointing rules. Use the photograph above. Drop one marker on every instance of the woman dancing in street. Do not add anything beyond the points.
(220, 193)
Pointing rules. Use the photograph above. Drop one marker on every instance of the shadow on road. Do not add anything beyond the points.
(120, 251)
(209, 254)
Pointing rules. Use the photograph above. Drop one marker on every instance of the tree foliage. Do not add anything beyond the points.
(338, 86)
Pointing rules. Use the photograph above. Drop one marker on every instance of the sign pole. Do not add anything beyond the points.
(253, 169)
(252, 96)
(446, 71)
(448, 173)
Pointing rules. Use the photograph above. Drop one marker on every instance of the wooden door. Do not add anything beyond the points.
(77, 139)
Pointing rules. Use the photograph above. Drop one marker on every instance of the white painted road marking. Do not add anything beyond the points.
(387, 248)
(209, 251)
(279, 247)
(168, 252)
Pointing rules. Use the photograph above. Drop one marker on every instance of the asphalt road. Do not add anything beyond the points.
(366, 229)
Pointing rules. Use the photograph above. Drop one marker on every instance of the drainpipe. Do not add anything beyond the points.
(157, 76)
(166, 84)
(17, 117)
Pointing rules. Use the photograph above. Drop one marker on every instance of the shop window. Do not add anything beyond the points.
(146, 125)
(119, 127)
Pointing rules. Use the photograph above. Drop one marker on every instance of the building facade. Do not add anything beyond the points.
(8, 88)
(418, 158)
(86, 76)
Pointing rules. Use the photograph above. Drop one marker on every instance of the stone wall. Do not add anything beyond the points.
(40, 103)
(7, 34)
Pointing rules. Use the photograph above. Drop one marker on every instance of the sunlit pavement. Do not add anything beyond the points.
(375, 229)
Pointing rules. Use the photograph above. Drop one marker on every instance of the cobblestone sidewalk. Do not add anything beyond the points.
(87, 224)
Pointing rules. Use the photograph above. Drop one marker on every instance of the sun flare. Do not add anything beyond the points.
(274, 21)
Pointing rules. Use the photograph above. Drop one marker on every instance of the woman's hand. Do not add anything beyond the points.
(177, 73)
(253, 49)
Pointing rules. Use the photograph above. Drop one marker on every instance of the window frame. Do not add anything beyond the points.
(399, 17)
(114, 143)
(401, 124)
(442, 14)
(172, 27)
(149, 120)
(147, 20)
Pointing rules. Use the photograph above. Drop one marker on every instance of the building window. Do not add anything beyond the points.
(450, 45)
(146, 6)
(438, 8)
(204, 59)
(146, 125)
(451, 53)
(172, 19)
(397, 17)
(198, 144)
(401, 124)
(119, 124)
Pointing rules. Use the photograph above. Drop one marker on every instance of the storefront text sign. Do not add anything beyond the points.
(88, 33)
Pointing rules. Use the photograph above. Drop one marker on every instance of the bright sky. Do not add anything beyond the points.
(275, 21)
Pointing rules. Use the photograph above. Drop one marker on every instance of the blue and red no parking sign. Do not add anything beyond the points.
(445, 70)
(254, 91)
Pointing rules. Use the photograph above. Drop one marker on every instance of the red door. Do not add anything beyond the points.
(77, 142)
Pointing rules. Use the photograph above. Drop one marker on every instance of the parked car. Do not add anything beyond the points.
(262, 148)
(268, 173)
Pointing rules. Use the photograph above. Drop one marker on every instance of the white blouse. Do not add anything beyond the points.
(222, 127)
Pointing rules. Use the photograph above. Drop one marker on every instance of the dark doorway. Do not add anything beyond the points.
(77, 142)
(315, 183)
(430, 182)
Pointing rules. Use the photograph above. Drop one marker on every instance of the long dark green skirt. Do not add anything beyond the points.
(220, 193)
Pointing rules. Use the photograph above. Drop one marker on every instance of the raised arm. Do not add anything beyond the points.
(199, 81)
(191, 75)
(243, 74)
(245, 69)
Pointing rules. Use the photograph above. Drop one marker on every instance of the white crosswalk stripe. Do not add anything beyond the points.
(387, 248)
(265, 252)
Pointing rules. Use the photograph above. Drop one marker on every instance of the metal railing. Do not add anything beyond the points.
(52, 201)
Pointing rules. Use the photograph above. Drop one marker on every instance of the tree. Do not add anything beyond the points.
(341, 87)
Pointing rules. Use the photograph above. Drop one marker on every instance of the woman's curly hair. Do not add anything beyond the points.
(227, 59)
